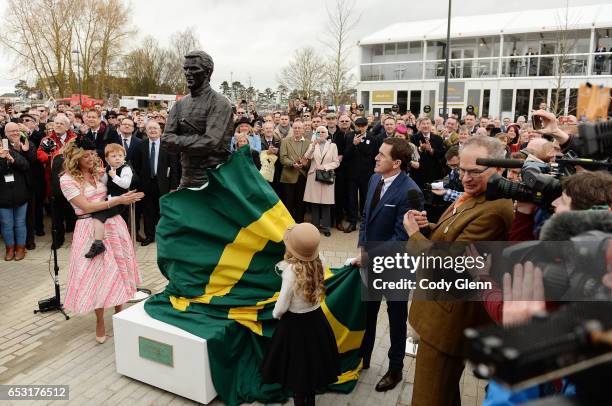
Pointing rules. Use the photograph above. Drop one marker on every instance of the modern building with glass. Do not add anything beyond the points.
(503, 65)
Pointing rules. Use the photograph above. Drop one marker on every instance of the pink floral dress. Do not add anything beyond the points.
(109, 279)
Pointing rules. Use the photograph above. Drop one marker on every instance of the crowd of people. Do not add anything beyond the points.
(296, 144)
(37, 136)
(348, 169)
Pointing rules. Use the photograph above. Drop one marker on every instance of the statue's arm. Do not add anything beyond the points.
(170, 139)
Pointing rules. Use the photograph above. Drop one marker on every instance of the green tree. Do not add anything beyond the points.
(225, 89)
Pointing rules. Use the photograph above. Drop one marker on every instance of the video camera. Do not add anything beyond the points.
(575, 339)
(541, 184)
(48, 145)
(572, 270)
(574, 342)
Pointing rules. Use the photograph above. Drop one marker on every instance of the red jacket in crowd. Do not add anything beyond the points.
(46, 158)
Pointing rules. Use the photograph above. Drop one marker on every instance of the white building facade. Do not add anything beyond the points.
(503, 65)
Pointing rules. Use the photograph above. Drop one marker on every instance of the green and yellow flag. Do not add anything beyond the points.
(218, 248)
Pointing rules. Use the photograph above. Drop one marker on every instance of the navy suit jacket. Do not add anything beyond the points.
(385, 222)
(133, 149)
(106, 135)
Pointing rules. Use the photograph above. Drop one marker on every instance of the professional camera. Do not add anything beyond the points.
(541, 182)
(572, 270)
(594, 140)
(48, 145)
(573, 342)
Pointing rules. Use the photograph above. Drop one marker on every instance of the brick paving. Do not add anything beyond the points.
(46, 349)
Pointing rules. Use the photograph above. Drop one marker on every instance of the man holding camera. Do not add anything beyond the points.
(48, 151)
(361, 149)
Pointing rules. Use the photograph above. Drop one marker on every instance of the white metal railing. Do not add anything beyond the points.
(574, 64)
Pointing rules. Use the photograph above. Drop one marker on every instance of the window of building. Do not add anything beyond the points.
(573, 100)
(506, 99)
(557, 106)
(603, 36)
(521, 106)
(539, 96)
(416, 51)
(415, 102)
(474, 100)
(389, 49)
(402, 101)
(486, 98)
(488, 47)
(579, 41)
(402, 48)
(365, 100)
(378, 50)
(436, 50)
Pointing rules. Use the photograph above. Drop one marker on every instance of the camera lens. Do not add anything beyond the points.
(500, 188)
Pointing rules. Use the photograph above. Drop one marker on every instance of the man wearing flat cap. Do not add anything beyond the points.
(200, 125)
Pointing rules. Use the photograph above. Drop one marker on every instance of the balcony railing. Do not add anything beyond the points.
(478, 68)
(392, 71)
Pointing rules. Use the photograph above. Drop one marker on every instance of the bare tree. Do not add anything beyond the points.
(114, 31)
(41, 34)
(342, 19)
(565, 45)
(147, 69)
(181, 42)
(40, 49)
(304, 72)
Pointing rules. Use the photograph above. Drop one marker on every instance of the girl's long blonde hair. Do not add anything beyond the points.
(72, 155)
(308, 277)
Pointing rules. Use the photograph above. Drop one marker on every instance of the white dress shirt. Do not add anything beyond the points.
(386, 183)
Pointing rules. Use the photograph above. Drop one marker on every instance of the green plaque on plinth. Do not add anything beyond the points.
(155, 351)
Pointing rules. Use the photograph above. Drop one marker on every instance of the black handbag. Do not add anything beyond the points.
(325, 175)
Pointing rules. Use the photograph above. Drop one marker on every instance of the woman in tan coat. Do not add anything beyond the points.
(324, 155)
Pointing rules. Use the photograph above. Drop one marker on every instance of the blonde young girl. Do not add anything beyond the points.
(302, 355)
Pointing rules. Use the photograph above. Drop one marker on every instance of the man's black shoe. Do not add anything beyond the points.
(31, 245)
(40, 233)
(146, 242)
(389, 381)
(350, 228)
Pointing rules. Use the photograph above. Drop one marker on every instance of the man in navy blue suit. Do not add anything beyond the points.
(129, 142)
(382, 220)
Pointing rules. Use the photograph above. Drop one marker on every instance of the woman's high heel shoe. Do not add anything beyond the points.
(101, 340)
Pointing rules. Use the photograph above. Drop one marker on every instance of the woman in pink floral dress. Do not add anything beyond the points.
(109, 279)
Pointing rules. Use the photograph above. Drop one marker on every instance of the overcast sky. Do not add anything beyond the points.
(254, 38)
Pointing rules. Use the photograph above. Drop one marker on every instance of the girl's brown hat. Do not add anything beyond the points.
(302, 241)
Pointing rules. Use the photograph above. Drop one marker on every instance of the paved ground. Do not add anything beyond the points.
(46, 349)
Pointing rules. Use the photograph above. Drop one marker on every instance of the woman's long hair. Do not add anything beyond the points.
(72, 155)
(308, 277)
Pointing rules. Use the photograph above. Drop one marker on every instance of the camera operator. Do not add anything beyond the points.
(528, 217)
(523, 293)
